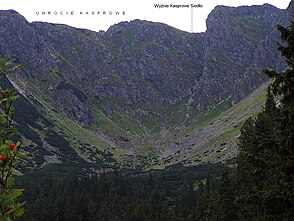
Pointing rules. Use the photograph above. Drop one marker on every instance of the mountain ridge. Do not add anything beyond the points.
(135, 86)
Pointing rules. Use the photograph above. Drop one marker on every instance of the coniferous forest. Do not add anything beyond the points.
(162, 195)
(258, 185)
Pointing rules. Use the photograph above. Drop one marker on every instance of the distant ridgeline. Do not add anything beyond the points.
(142, 94)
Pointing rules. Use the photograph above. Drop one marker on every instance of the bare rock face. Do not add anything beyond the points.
(74, 103)
(143, 68)
(146, 62)
(21, 41)
(239, 42)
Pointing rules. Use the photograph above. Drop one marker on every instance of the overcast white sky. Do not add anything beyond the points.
(134, 9)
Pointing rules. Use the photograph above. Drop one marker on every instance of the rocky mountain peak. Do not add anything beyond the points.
(291, 5)
(10, 13)
(135, 24)
(265, 13)
(140, 78)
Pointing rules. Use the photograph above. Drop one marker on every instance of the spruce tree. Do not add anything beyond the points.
(266, 157)
(245, 171)
(226, 206)
(283, 88)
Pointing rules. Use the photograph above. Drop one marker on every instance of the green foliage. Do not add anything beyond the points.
(225, 202)
(172, 52)
(248, 21)
(251, 29)
(205, 205)
(127, 35)
(10, 153)
(266, 159)
(166, 195)
(136, 77)
(113, 79)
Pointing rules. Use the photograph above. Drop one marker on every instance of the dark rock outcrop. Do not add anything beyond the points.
(144, 68)
(146, 62)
